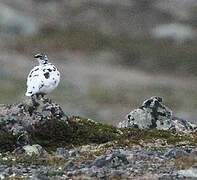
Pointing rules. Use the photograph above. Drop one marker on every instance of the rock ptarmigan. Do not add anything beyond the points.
(43, 78)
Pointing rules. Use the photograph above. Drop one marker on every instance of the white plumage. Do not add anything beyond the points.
(43, 78)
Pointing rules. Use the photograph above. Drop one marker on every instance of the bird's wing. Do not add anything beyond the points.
(33, 86)
(34, 81)
(34, 72)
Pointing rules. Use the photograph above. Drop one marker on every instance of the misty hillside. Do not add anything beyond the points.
(112, 54)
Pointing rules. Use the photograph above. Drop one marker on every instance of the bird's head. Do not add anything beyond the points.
(42, 58)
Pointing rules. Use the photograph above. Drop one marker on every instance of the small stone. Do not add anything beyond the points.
(35, 149)
(70, 166)
(174, 153)
(117, 173)
(194, 152)
(62, 152)
(113, 160)
(73, 153)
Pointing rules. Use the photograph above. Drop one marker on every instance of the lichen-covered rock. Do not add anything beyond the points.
(154, 114)
(30, 150)
(138, 118)
(19, 121)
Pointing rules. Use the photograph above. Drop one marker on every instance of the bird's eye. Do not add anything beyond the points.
(33, 87)
(129, 116)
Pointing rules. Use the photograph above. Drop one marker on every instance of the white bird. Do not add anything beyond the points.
(43, 78)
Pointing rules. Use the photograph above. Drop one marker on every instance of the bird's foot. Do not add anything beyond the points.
(46, 100)
(34, 102)
(41, 97)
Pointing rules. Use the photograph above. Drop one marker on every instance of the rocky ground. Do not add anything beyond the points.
(44, 143)
(156, 160)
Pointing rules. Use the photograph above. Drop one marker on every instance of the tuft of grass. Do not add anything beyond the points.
(26, 160)
(7, 141)
(55, 173)
(136, 135)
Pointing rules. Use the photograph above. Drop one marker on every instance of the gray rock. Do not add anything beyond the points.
(52, 109)
(20, 120)
(175, 152)
(70, 166)
(154, 114)
(74, 153)
(30, 150)
(183, 125)
(194, 153)
(113, 160)
(35, 149)
(62, 152)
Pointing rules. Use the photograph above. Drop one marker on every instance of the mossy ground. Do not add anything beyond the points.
(78, 131)
(12, 159)
(7, 141)
(81, 131)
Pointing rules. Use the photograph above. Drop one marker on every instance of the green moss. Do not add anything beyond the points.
(135, 135)
(55, 173)
(78, 131)
(7, 141)
(81, 131)
(86, 131)
(11, 159)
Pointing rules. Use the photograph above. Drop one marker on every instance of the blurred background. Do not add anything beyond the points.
(112, 54)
